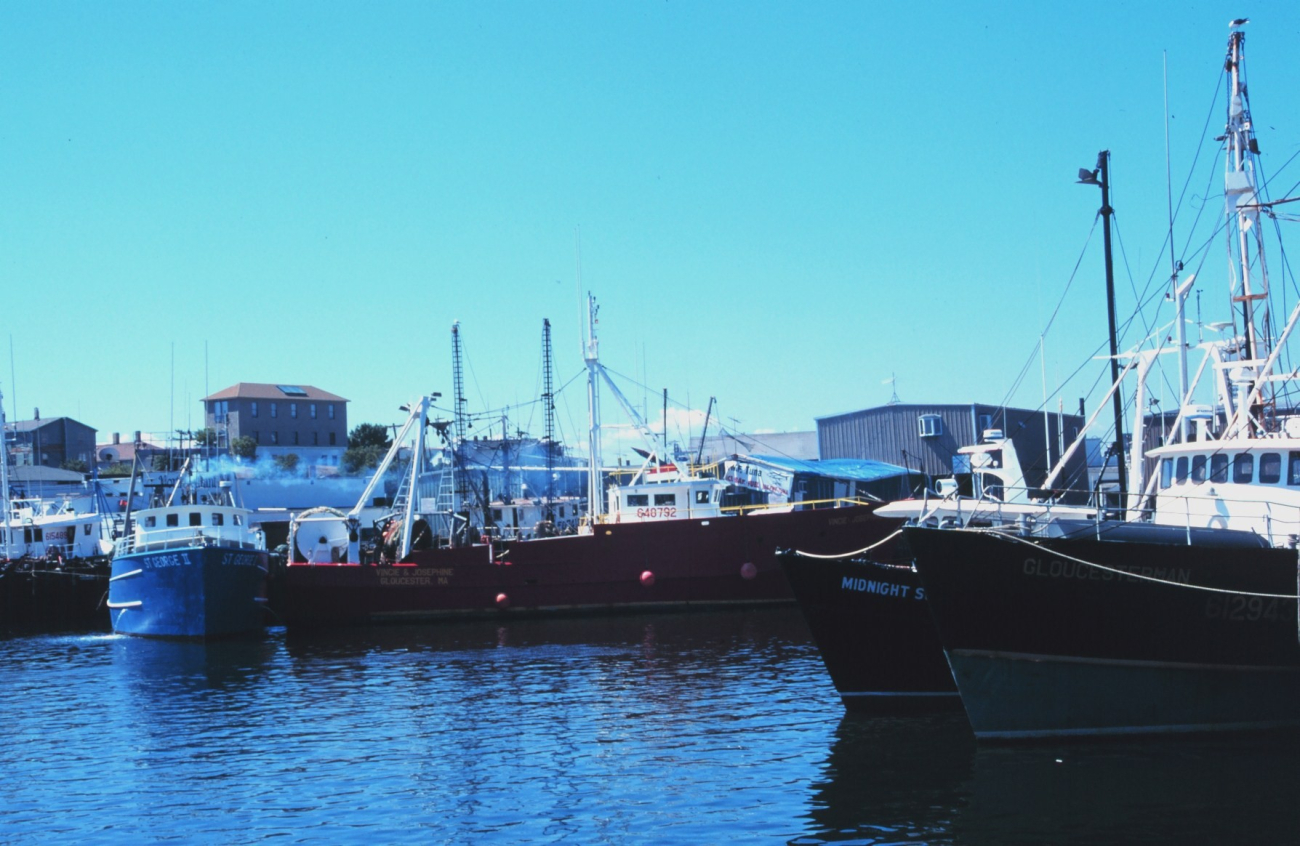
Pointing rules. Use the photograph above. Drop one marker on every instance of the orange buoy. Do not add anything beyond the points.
(748, 570)
(503, 601)
(647, 578)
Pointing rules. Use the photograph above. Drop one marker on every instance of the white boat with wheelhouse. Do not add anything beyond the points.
(192, 567)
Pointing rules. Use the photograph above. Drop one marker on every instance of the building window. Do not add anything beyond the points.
(275, 409)
(253, 408)
(220, 409)
(275, 437)
(331, 439)
(930, 425)
(984, 422)
(312, 409)
(293, 410)
(315, 438)
(331, 411)
(295, 438)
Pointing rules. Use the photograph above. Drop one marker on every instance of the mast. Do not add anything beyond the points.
(548, 409)
(1245, 238)
(1101, 177)
(590, 354)
(4, 481)
(460, 495)
(1247, 270)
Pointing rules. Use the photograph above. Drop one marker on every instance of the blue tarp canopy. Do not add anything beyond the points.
(844, 469)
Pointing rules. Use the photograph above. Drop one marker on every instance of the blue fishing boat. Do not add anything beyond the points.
(191, 566)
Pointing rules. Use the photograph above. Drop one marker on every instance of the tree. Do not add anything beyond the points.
(74, 464)
(358, 459)
(287, 463)
(369, 434)
(116, 471)
(244, 447)
(205, 437)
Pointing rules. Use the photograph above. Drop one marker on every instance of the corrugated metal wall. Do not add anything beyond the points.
(892, 434)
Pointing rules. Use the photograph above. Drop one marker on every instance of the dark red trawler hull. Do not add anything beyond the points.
(694, 563)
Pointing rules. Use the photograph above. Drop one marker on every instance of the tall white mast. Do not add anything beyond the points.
(1245, 237)
(590, 354)
(4, 481)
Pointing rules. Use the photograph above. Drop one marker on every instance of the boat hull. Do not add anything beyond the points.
(196, 592)
(874, 630)
(1068, 637)
(621, 566)
(38, 594)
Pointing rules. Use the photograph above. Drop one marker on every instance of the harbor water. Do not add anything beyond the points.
(685, 728)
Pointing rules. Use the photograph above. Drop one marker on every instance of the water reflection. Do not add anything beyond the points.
(925, 780)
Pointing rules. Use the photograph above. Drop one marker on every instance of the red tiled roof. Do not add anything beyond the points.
(257, 390)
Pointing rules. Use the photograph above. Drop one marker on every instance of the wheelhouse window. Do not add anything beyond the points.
(702, 497)
(1198, 469)
(1243, 468)
(173, 519)
(1293, 469)
(1219, 468)
(217, 518)
(1270, 468)
(665, 499)
(150, 522)
(638, 499)
(929, 425)
(196, 519)
(1180, 470)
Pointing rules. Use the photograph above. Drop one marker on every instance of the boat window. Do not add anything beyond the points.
(702, 497)
(173, 519)
(1270, 468)
(150, 522)
(38, 535)
(239, 521)
(1219, 468)
(1198, 469)
(196, 519)
(1180, 473)
(561, 510)
(1293, 469)
(1243, 468)
(665, 499)
(217, 518)
(496, 515)
(638, 499)
(85, 528)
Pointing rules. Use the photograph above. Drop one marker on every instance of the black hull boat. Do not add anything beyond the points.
(1106, 633)
(874, 631)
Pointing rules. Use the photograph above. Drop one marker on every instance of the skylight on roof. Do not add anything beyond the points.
(292, 390)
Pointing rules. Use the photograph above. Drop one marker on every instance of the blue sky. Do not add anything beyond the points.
(779, 204)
